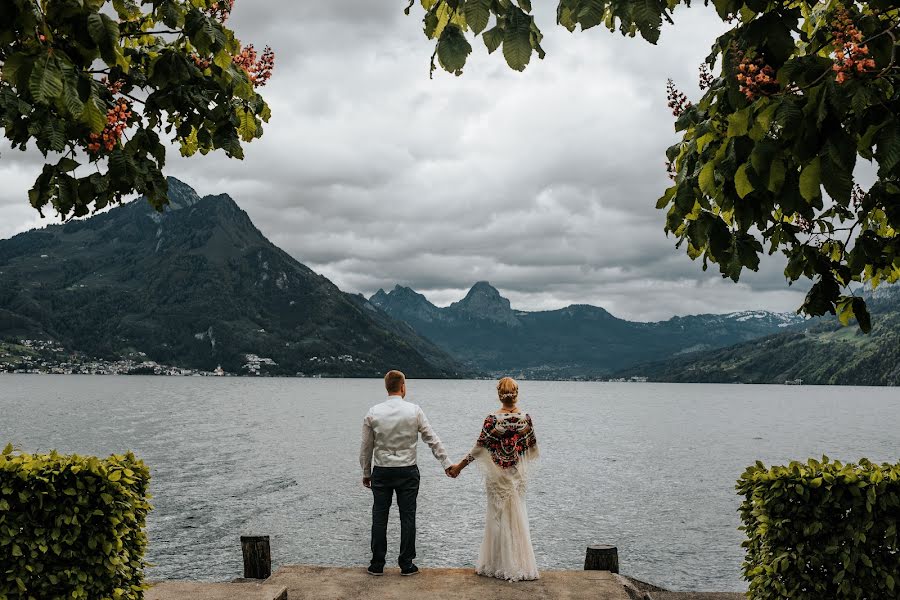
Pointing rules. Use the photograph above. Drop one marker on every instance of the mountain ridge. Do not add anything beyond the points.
(577, 340)
(826, 353)
(197, 285)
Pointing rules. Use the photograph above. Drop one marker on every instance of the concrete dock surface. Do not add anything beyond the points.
(302, 582)
(332, 583)
(184, 590)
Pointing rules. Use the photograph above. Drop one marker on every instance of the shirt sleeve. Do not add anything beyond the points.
(366, 447)
(433, 441)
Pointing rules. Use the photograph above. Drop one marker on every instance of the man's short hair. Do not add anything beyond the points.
(393, 381)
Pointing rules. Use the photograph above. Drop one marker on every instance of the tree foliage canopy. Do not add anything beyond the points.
(103, 82)
(795, 93)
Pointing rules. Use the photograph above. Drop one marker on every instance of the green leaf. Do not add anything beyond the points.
(45, 83)
(837, 180)
(8, 449)
(664, 200)
(648, 18)
(96, 29)
(747, 249)
(92, 116)
(742, 182)
(889, 582)
(189, 144)
(810, 180)
(517, 39)
(739, 122)
(222, 59)
(844, 308)
(707, 179)
(776, 175)
(493, 38)
(453, 48)
(12, 66)
(70, 97)
(862, 316)
(822, 296)
(66, 165)
(478, 13)
(247, 128)
(888, 151)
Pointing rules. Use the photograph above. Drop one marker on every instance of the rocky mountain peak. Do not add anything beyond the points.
(407, 302)
(379, 297)
(485, 302)
(181, 195)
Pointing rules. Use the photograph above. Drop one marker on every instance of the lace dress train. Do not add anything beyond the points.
(504, 455)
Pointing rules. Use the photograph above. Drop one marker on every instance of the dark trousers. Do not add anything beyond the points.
(386, 481)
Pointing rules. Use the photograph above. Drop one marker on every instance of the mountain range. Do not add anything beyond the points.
(579, 341)
(197, 286)
(824, 353)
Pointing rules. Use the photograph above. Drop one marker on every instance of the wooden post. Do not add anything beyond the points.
(602, 558)
(257, 556)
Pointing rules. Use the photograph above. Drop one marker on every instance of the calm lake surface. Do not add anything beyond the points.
(648, 467)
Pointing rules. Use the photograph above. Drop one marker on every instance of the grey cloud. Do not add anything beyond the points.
(542, 182)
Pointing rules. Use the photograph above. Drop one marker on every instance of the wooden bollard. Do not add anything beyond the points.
(257, 556)
(602, 558)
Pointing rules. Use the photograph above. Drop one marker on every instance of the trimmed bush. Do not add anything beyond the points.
(822, 530)
(72, 526)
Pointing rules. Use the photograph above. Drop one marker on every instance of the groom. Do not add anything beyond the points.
(391, 431)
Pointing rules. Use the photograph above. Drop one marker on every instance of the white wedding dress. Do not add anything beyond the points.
(505, 453)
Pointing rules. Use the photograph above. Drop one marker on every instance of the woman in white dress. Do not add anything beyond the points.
(505, 450)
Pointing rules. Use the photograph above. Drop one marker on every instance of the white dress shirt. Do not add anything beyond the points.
(391, 431)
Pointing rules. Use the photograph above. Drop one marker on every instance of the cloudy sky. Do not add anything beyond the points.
(543, 182)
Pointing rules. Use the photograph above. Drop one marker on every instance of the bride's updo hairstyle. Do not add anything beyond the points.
(508, 390)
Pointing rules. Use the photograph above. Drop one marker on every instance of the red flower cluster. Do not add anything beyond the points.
(678, 102)
(670, 169)
(851, 57)
(202, 63)
(858, 196)
(803, 223)
(706, 78)
(258, 68)
(756, 78)
(220, 10)
(116, 122)
(113, 86)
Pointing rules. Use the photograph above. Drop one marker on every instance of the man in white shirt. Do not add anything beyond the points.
(391, 432)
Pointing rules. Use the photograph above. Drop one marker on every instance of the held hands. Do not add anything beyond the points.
(455, 470)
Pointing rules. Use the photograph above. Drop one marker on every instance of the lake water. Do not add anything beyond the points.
(648, 467)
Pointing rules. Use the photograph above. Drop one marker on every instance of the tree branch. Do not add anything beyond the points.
(160, 32)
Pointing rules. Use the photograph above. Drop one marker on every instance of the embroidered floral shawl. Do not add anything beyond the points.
(507, 438)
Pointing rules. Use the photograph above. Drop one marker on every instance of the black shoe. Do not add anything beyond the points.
(410, 570)
(376, 571)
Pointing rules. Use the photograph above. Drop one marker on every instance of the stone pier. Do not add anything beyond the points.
(334, 583)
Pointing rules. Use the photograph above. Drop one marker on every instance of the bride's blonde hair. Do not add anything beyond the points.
(508, 390)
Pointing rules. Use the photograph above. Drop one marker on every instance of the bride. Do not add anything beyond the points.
(504, 451)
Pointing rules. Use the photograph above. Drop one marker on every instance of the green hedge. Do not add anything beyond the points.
(822, 530)
(72, 526)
